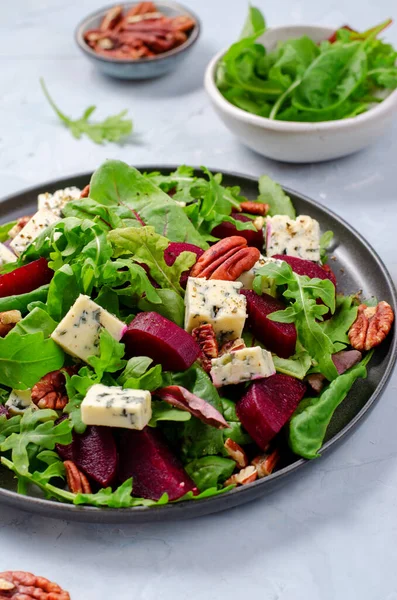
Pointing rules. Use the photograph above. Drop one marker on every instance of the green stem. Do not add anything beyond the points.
(60, 114)
(282, 98)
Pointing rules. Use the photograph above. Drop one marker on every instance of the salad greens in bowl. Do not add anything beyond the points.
(171, 343)
(302, 92)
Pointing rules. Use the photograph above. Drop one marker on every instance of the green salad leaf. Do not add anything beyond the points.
(338, 326)
(21, 301)
(4, 230)
(210, 471)
(110, 357)
(272, 193)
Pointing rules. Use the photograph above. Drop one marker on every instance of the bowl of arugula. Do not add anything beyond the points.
(305, 93)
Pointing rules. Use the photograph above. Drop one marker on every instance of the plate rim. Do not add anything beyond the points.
(204, 506)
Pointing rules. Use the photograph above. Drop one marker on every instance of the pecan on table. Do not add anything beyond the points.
(50, 391)
(8, 320)
(76, 480)
(226, 260)
(236, 452)
(372, 325)
(205, 336)
(19, 585)
(254, 208)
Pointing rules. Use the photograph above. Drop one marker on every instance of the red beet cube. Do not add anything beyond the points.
(94, 452)
(25, 279)
(145, 456)
(150, 334)
(279, 338)
(225, 229)
(267, 406)
(307, 267)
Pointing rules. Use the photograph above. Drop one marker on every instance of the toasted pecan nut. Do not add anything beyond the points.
(236, 452)
(216, 255)
(266, 463)
(112, 17)
(50, 391)
(247, 475)
(232, 346)
(8, 320)
(76, 480)
(141, 9)
(372, 325)
(85, 192)
(206, 339)
(254, 208)
(235, 265)
(19, 585)
(183, 23)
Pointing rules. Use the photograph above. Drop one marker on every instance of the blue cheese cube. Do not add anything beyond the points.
(57, 201)
(19, 401)
(298, 237)
(116, 407)
(78, 332)
(33, 228)
(242, 365)
(6, 256)
(218, 303)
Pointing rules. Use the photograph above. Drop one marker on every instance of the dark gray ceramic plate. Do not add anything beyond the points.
(357, 267)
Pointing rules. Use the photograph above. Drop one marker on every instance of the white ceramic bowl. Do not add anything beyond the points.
(300, 142)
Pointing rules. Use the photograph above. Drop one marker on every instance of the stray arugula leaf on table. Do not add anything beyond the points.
(111, 129)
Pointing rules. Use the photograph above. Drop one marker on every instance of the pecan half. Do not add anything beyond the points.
(254, 208)
(141, 9)
(20, 585)
(112, 17)
(247, 475)
(226, 260)
(8, 320)
(236, 452)
(85, 192)
(50, 391)
(232, 346)
(372, 325)
(77, 481)
(205, 336)
(266, 463)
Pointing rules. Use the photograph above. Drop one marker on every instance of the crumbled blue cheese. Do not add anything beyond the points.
(246, 364)
(216, 302)
(19, 401)
(57, 201)
(298, 237)
(247, 278)
(115, 407)
(33, 228)
(6, 256)
(78, 332)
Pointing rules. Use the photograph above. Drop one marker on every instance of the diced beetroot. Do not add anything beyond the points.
(279, 338)
(267, 406)
(94, 452)
(150, 334)
(174, 250)
(225, 229)
(25, 279)
(4, 411)
(307, 267)
(145, 456)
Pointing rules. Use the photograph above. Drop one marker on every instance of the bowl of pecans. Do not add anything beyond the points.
(138, 40)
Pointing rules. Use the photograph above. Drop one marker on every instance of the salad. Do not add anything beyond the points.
(164, 338)
(301, 80)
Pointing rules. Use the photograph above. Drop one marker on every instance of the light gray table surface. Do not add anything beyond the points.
(329, 534)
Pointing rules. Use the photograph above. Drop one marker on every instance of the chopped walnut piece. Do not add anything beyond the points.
(8, 320)
(372, 325)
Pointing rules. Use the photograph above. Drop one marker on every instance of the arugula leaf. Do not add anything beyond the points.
(9, 426)
(115, 183)
(38, 320)
(36, 427)
(112, 129)
(271, 193)
(254, 24)
(325, 242)
(24, 359)
(5, 228)
(147, 246)
(304, 311)
(21, 301)
(151, 380)
(172, 306)
(338, 326)
(161, 411)
(210, 471)
(62, 293)
(110, 357)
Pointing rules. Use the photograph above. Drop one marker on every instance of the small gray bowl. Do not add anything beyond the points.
(143, 68)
